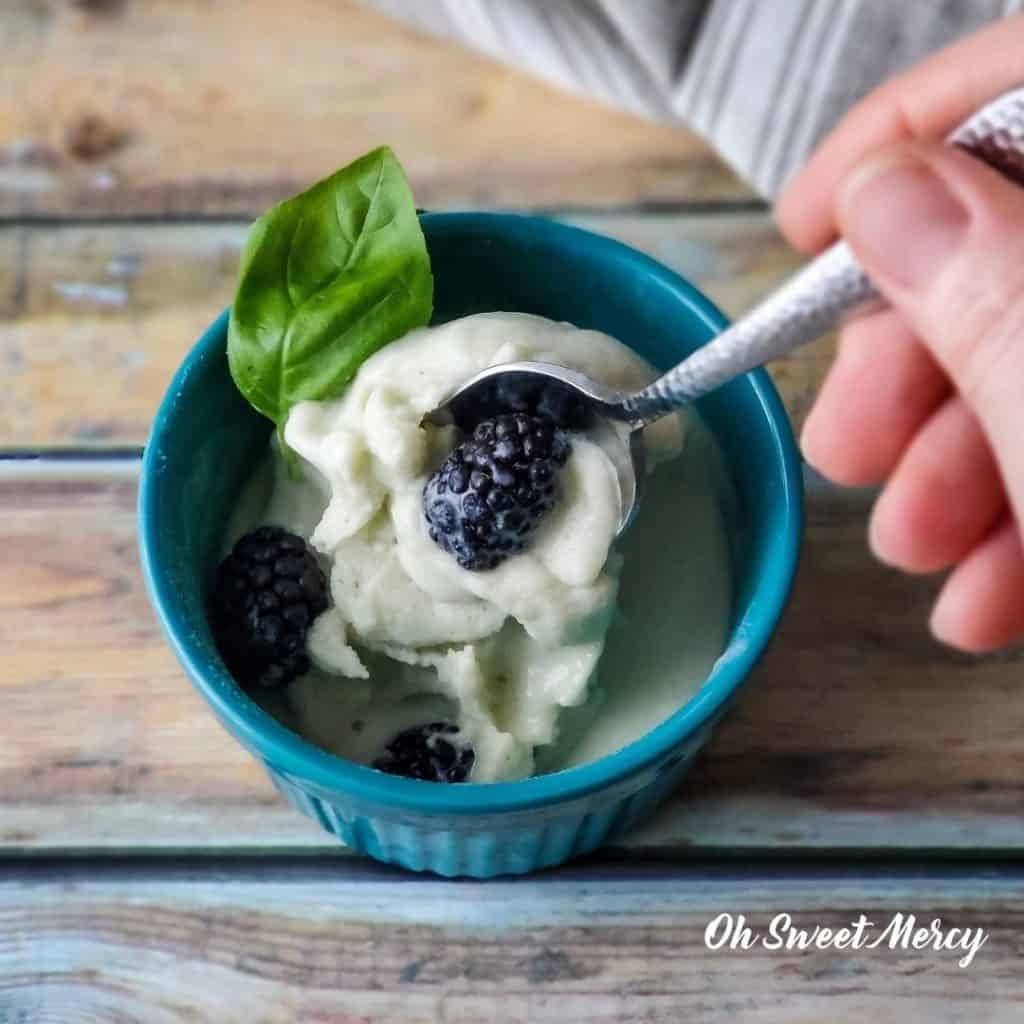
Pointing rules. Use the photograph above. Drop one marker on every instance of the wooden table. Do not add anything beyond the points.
(149, 872)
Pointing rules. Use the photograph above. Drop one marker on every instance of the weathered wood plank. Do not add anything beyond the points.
(183, 106)
(858, 731)
(93, 320)
(330, 945)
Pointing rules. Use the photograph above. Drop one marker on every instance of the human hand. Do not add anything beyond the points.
(928, 395)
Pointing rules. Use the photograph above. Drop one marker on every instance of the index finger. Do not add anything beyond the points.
(926, 102)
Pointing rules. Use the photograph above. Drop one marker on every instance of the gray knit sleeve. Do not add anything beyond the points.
(761, 80)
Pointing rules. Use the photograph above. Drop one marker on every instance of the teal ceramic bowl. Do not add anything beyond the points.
(206, 440)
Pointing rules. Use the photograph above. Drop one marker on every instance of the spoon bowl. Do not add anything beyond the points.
(571, 399)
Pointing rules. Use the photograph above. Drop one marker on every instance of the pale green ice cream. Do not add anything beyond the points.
(559, 655)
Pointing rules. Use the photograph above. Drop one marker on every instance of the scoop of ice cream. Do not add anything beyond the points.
(508, 647)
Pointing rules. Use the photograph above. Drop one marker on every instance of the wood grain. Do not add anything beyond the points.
(335, 946)
(186, 106)
(857, 735)
(94, 319)
(857, 732)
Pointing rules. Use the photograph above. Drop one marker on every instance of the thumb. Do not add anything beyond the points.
(942, 236)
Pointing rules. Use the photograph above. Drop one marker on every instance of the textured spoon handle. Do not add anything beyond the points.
(814, 300)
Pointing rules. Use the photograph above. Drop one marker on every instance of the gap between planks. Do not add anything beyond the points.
(652, 208)
(597, 869)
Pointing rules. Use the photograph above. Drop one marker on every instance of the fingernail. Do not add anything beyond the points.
(881, 543)
(901, 219)
(944, 623)
(876, 541)
(807, 441)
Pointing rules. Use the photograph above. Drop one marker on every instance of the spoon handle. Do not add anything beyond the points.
(813, 301)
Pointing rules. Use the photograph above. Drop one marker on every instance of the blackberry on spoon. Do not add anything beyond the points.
(493, 490)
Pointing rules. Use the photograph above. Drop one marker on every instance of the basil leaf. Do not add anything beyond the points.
(328, 278)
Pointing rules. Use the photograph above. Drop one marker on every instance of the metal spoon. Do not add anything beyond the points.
(809, 304)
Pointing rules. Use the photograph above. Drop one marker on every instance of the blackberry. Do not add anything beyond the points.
(265, 595)
(493, 490)
(422, 752)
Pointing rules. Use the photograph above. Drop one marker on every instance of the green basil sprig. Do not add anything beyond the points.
(328, 278)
